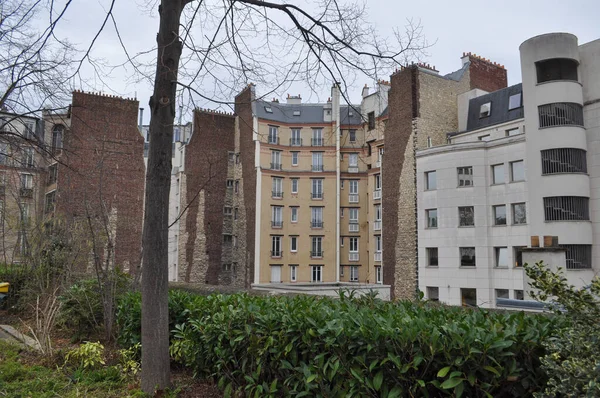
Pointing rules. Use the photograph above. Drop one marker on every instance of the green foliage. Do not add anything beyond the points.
(573, 354)
(82, 309)
(310, 346)
(87, 356)
(17, 276)
(129, 360)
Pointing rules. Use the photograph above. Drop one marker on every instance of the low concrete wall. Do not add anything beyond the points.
(324, 289)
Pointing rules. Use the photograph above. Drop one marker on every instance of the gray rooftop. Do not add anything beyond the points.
(309, 113)
(499, 108)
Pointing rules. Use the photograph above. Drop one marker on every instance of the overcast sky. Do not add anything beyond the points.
(492, 29)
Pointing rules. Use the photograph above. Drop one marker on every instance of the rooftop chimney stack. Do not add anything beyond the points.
(294, 99)
(365, 91)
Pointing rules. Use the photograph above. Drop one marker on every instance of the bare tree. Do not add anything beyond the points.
(241, 41)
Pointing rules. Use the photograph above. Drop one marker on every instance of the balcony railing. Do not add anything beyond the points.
(317, 167)
(377, 225)
(273, 140)
(352, 169)
(276, 254)
(295, 141)
(377, 256)
(275, 166)
(377, 194)
(26, 192)
(316, 142)
(316, 224)
(277, 224)
(317, 195)
(353, 227)
(277, 194)
(353, 198)
(317, 254)
(353, 256)
(378, 163)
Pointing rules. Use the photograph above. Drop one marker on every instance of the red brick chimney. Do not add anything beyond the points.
(485, 74)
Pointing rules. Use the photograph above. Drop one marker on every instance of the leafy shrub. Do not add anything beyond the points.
(87, 356)
(309, 346)
(82, 306)
(17, 276)
(572, 360)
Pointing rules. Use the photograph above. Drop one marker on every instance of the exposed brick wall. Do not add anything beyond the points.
(206, 167)
(402, 103)
(102, 171)
(486, 75)
(243, 111)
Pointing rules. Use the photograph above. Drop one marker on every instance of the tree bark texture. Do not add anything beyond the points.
(155, 317)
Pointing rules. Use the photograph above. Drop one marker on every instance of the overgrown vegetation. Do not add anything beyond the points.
(309, 346)
(572, 360)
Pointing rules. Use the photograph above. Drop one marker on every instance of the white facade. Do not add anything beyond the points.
(551, 165)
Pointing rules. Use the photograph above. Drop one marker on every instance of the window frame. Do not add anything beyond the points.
(428, 218)
(500, 166)
(428, 256)
(428, 180)
(293, 243)
(495, 215)
(512, 170)
(517, 95)
(461, 210)
(460, 256)
(497, 256)
(514, 218)
(459, 174)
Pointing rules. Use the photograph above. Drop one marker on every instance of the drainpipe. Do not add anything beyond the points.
(335, 108)
(141, 122)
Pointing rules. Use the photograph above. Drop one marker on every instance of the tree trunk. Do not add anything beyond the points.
(155, 316)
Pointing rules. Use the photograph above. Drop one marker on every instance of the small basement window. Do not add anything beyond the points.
(485, 110)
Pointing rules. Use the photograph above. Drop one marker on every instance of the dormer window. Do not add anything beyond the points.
(485, 110)
(514, 101)
(268, 109)
(297, 113)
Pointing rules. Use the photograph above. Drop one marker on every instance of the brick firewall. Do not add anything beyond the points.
(206, 164)
(486, 76)
(102, 172)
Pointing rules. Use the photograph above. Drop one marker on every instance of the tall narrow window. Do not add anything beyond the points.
(317, 246)
(57, 137)
(377, 182)
(293, 244)
(352, 135)
(276, 216)
(294, 182)
(371, 120)
(353, 250)
(353, 273)
(316, 214)
(273, 135)
(353, 219)
(519, 213)
(353, 160)
(432, 256)
(498, 174)
(277, 191)
(294, 214)
(430, 180)
(353, 194)
(432, 218)
(501, 256)
(276, 246)
(317, 188)
(317, 137)
(293, 273)
(295, 140)
(295, 158)
(317, 161)
(499, 215)
(377, 223)
(275, 160)
(517, 171)
(316, 274)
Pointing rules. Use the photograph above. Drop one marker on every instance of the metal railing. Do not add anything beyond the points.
(317, 142)
(564, 160)
(377, 256)
(566, 208)
(353, 227)
(295, 141)
(317, 167)
(352, 169)
(353, 198)
(317, 195)
(276, 253)
(377, 225)
(377, 194)
(560, 114)
(578, 256)
(353, 256)
(277, 194)
(316, 254)
(275, 166)
(277, 224)
(26, 192)
(273, 140)
(316, 224)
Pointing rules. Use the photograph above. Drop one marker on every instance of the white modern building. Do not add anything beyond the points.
(524, 165)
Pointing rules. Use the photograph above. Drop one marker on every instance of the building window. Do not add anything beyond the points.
(317, 246)
(294, 182)
(498, 174)
(226, 267)
(353, 194)
(235, 213)
(295, 158)
(371, 119)
(566, 208)
(317, 188)
(276, 246)
(237, 186)
(560, 114)
(466, 216)
(295, 140)
(275, 160)
(228, 211)
(556, 69)
(229, 183)
(227, 238)
(268, 109)
(378, 275)
(519, 295)
(57, 137)
(24, 219)
(432, 218)
(316, 220)
(317, 137)
(514, 101)
(317, 161)
(377, 182)
(293, 244)
(501, 293)
(485, 110)
(430, 181)
(513, 132)
(277, 184)
(353, 273)
(26, 181)
(499, 214)
(277, 216)
(432, 256)
(316, 273)
(231, 156)
(468, 297)
(378, 247)
(353, 160)
(27, 157)
(377, 223)
(52, 173)
(519, 213)
(518, 255)
(293, 273)
(353, 219)
(517, 171)
(501, 254)
(294, 211)
(353, 250)
(465, 176)
(467, 256)
(341, 241)
(296, 112)
(237, 158)
(50, 200)
(484, 138)
(578, 256)
(433, 293)
(564, 160)
(352, 135)
(273, 135)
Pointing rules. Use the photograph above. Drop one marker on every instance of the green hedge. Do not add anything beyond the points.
(309, 346)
